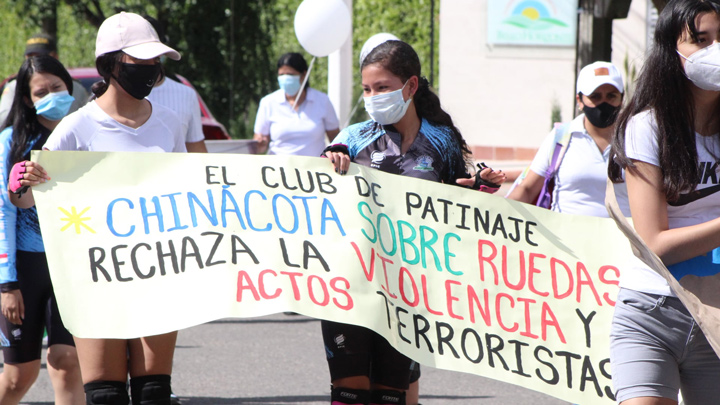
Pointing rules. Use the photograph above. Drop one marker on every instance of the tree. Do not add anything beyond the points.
(229, 47)
(43, 13)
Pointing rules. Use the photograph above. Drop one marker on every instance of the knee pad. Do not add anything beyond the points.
(106, 393)
(150, 390)
(349, 396)
(385, 397)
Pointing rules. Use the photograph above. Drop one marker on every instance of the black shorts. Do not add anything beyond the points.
(415, 373)
(357, 351)
(23, 343)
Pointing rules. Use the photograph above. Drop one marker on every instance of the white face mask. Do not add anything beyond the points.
(703, 67)
(387, 108)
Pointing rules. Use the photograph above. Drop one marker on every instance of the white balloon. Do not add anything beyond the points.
(322, 26)
(373, 43)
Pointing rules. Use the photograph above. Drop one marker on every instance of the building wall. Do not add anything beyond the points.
(501, 97)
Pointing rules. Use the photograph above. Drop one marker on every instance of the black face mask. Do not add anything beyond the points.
(601, 116)
(138, 80)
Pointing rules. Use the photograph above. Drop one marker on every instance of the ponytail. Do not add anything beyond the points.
(427, 105)
(106, 65)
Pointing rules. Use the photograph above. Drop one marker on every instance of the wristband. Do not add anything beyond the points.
(11, 286)
(338, 147)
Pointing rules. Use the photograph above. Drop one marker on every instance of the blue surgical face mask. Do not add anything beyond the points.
(54, 106)
(387, 108)
(290, 84)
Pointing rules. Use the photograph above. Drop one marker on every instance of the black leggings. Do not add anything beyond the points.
(23, 343)
(357, 351)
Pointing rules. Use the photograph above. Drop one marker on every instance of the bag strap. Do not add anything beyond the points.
(562, 141)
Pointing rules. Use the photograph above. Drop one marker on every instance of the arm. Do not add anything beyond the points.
(331, 134)
(196, 147)
(262, 127)
(195, 141)
(11, 302)
(262, 143)
(529, 189)
(650, 218)
(332, 125)
(6, 100)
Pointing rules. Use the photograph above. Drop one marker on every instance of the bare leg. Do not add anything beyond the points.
(360, 382)
(413, 393)
(64, 371)
(16, 380)
(152, 354)
(102, 359)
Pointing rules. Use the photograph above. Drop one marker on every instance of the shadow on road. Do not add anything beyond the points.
(298, 399)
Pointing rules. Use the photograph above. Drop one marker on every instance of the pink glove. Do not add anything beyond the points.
(16, 174)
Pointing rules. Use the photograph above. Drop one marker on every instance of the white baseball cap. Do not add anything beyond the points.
(596, 74)
(373, 42)
(132, 34)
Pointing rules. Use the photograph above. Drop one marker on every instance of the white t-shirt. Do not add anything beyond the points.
(641, 144)
(184, 101)
(299, 132)
(91, 129)
(582, 177)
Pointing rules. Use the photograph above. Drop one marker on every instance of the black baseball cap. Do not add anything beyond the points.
(40, 44)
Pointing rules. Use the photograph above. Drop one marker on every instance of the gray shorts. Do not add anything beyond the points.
(656, 349)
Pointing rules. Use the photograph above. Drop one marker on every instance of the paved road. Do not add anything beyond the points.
(279, 359)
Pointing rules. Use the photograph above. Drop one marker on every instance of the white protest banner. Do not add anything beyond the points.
(141, 244)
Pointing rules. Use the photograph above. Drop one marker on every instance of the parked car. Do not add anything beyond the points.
(212, 129)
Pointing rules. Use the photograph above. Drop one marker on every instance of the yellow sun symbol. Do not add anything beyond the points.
(75, 218)
(531, 13)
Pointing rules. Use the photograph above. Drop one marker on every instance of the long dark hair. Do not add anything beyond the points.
(295, 61)
(664, 90)
(106, 65)
(401, 60)
(23, 117)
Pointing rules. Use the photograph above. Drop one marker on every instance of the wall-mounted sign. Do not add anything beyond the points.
(532, 22)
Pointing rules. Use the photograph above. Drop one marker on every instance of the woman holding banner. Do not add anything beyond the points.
(42, 99)
(667, 141)
(121, 119)
(409, 134)
(294, 127)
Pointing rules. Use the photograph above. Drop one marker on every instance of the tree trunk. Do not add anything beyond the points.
(48, 21)
(594, 36)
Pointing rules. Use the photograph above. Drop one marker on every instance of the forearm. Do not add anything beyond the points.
(680, 244)
(25, 200)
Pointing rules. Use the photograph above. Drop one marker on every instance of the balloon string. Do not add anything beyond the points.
(352, 113)
(302, 86)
